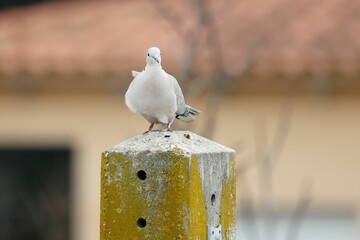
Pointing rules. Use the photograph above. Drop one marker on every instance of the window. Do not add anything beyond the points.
(34, 193)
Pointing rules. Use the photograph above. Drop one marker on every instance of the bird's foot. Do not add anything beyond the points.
(150, 128)
(168, 127)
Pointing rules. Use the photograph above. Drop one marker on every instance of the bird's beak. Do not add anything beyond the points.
(157, 60)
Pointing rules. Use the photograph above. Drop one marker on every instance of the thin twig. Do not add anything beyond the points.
(170, 15)
(298, 215)
(247, 209)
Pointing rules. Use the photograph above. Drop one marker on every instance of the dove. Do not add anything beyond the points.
(156, 95)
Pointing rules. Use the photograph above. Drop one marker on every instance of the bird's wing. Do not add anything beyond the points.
(180, 101)
(134, 73)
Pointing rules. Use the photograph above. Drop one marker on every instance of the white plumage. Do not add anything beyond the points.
(156, 95)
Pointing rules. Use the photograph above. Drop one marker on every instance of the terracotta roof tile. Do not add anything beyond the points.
(96, 36)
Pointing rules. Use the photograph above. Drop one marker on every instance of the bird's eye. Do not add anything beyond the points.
(148, 55)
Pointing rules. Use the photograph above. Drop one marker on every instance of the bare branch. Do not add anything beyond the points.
(170, 15)
(247, 209)
(298, 215)
(282, 129)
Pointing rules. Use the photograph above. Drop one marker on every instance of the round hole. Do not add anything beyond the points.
(141, 223)
(141, 175)
(212, 199)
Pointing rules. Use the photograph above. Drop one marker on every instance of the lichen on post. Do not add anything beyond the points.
(168, 185)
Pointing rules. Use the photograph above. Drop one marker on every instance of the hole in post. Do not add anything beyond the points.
(141, 174)
(141, 223)
(212, 199)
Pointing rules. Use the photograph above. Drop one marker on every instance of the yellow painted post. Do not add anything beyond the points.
(168, 185)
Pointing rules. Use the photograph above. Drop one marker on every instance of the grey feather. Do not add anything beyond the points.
(180, 101)
(184, 112)
(188, 115)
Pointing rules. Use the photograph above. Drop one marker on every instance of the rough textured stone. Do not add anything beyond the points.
(167, 185)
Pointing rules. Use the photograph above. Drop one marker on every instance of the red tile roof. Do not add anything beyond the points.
(99, 36)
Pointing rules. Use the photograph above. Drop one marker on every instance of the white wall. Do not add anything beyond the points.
(323, 144)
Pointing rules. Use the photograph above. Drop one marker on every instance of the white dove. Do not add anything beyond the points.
(156, 95)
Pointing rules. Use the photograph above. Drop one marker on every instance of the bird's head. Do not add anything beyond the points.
(153, 56)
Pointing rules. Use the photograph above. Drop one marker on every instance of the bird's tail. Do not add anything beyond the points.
(188, 115)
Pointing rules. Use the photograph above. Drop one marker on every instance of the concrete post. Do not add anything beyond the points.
(168, 185)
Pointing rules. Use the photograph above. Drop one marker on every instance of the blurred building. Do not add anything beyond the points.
(293, 98)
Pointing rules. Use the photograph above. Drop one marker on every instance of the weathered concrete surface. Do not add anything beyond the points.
(167, 185)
